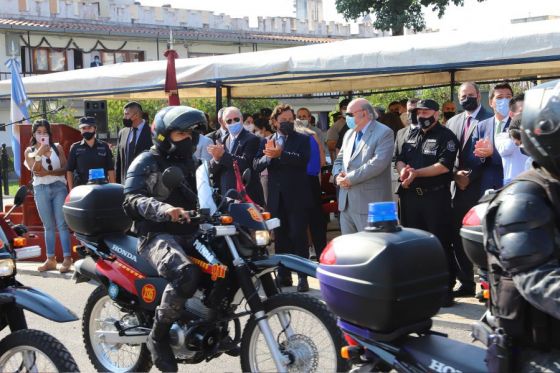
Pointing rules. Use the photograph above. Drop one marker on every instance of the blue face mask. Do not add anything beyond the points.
(235, 128)
(502, 106)
(350, 122)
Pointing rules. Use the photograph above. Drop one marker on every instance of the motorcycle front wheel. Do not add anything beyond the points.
(306, 333)
(31, 350)
(100, 315)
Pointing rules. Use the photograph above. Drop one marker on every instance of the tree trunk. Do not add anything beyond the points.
(397, 30)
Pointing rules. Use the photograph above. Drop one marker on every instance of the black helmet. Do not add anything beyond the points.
(174, 118)
(540, 125)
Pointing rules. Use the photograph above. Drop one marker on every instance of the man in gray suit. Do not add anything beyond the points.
(362, 168)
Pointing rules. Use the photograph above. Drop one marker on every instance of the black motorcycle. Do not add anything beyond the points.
(27, 350)
(284, 331)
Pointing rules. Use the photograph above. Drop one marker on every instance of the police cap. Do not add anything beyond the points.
(87, 121)
(427, 104)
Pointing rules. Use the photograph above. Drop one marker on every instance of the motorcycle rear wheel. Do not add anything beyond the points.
(31, 350)
(313, 346)
(100, 313)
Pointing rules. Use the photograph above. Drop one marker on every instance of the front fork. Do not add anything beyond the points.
(251, 293)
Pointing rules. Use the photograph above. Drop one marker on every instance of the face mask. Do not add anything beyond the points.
(426, 122)
(448, 114)
(127, 122)
(304, 122)
(412, 118)
(287, 128)
(469, 104)
(502, 106)
(351, 122)
(235, 128)
(42, 139)
(249, 127)
(184, 149)
(88, 135)
(343, 112)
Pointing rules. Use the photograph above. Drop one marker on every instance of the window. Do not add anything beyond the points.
(109, 58)
(49, 60)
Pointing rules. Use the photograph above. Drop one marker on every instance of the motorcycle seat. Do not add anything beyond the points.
(124, 247)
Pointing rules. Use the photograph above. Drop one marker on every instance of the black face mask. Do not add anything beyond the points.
(88, 135)
(469, 104)
(448, 114)
(412, 118)
(287, 128)
(184, 149)
(426, 122)
(127, 122)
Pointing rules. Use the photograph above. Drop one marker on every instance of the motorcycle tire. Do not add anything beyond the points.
(38, 342)
(144, 360)
(295, 302)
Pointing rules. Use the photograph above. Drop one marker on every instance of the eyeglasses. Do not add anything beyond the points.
(234, 120)
(351, 115)
(50, 167)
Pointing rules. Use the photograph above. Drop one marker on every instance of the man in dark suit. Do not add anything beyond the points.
(218, 136)
(96, 62)
(285, 156)
(468, 169)
(133, 139)
(239, 145)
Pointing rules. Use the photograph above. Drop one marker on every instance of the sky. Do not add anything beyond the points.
(489, 13)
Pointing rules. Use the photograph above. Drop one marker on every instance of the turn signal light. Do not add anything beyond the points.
(226, 219)
(351, 352)
(486, 294)
(20, 242)
(266, 215)
(345, 352)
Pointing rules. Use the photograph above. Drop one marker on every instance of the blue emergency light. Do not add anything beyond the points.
(96, 174)
(382, 211)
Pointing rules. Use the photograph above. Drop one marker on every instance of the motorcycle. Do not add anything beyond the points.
(27, 350)
(284, 331)
(385, 292)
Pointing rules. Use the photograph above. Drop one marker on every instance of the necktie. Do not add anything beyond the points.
(131, 147)
(466, 130)
(233, 145)
(357, 141)
(499, 127)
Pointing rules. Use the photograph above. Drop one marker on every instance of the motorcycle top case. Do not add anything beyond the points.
(96, 209)
(385, 281)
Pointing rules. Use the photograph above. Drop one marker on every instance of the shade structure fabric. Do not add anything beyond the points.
(520, 51)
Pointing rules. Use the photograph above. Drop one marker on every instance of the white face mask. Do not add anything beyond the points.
(304, 122)
(249, 127)
(41, 139)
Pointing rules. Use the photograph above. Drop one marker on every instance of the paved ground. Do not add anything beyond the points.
(454, 321)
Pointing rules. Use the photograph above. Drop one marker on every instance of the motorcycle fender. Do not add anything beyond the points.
(38, 302)
(292, 262)
(150, 291)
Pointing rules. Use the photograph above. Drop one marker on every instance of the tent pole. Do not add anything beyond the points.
(228, 96)
(157, 46)
(218, 96)
(452, 85)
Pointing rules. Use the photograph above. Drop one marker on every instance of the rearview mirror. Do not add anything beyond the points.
(246, 176)
(20, 195)
(172, 177)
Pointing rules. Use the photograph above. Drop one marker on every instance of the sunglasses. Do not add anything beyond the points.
(234, 120)
(351, 115)
(49, 163)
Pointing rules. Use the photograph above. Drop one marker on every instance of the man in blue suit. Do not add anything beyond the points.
(493, 174)
(467, 174)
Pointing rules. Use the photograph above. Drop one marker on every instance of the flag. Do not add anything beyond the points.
(18, 110)
(171, 78)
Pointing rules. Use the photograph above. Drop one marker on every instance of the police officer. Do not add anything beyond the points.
(88, 154)
(522, 241)
(161, 219)
(424, 162)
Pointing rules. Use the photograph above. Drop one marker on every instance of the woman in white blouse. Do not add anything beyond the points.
(46, 161)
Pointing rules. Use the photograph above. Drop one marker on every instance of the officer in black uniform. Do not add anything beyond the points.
(522, 241)
(88, 154)
(424, 162)
(161, 219)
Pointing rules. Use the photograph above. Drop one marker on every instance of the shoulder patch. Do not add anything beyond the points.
(451, 146)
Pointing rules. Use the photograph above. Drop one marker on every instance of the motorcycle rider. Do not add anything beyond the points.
(161, 220)
(522, 240)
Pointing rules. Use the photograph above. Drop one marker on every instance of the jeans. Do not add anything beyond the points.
(49, 199)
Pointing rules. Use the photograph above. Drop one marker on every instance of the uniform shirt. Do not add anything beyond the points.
(83, 158)
(419, 150)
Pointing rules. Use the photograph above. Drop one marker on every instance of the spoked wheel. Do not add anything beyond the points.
(31, 350)
(100, 314)
(306, 333)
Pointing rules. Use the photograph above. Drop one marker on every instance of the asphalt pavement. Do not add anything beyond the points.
(455, 321)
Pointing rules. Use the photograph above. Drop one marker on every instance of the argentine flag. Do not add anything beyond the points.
(18, 110)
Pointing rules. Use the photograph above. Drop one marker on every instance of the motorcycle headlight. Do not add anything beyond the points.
(7, 267)
(262, 238)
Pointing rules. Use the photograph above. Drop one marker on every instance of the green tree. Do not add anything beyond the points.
(394, 15)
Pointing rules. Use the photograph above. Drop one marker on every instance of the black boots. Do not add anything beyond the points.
(302, 285)
(158, 344)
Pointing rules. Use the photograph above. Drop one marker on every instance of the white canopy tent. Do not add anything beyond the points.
(521, 51)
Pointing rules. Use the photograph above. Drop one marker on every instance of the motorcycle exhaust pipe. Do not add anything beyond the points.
(85, 270)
